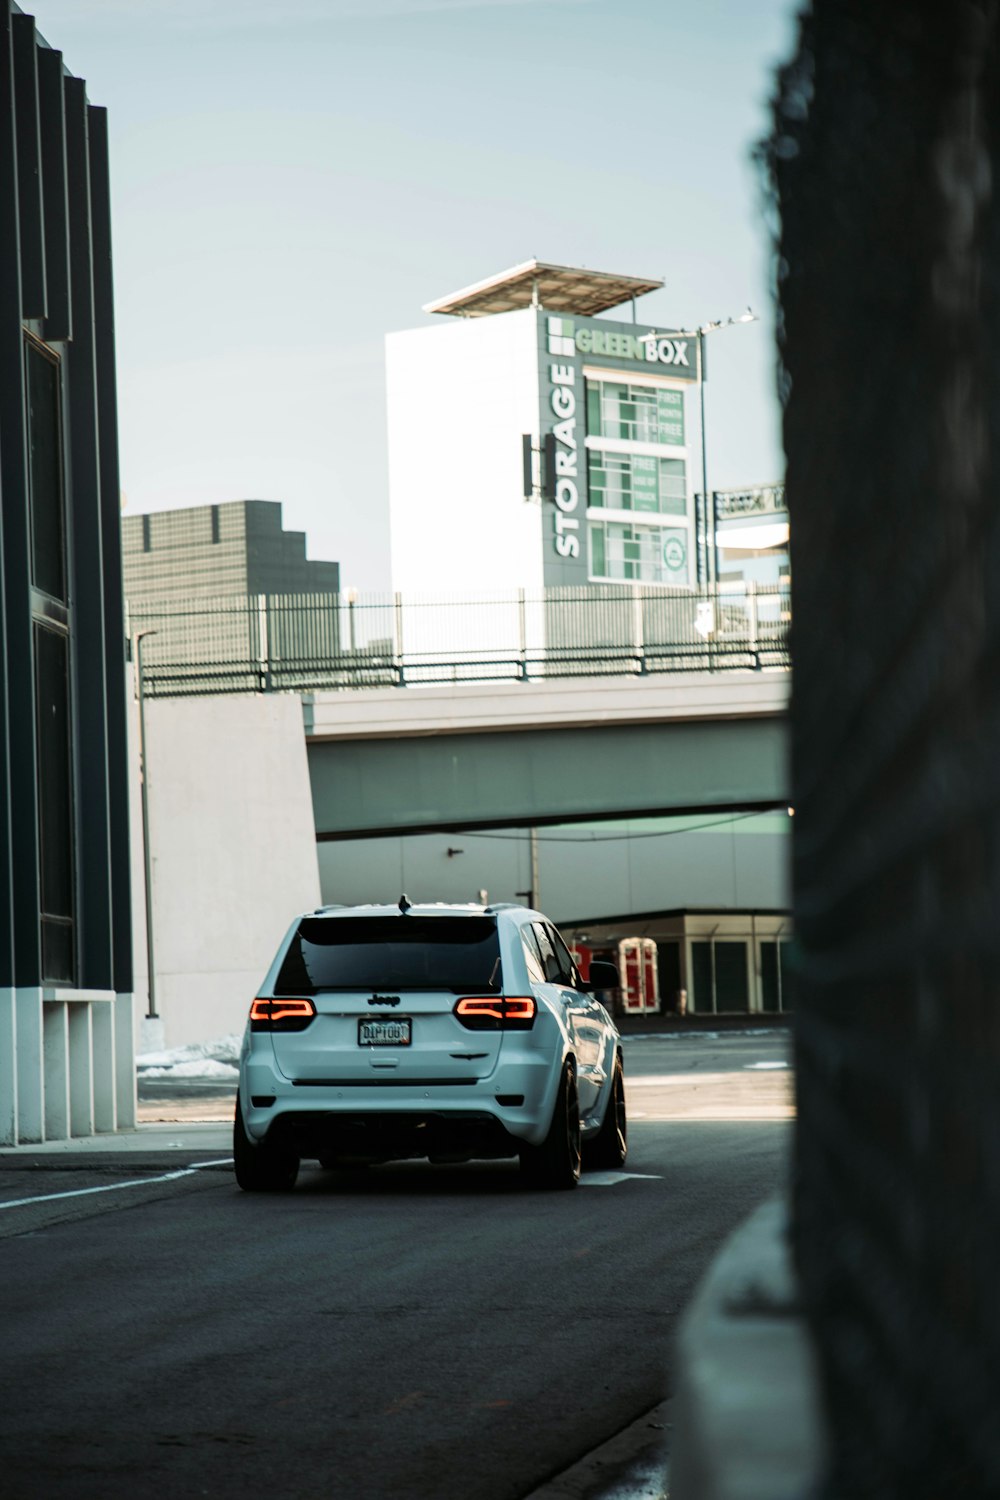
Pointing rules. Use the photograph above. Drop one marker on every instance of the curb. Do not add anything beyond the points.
(632, 1465)
(749, 1422)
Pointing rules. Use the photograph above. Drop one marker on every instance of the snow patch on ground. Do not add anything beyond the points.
(215, 1059)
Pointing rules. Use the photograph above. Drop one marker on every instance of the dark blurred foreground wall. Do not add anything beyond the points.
(887, 172)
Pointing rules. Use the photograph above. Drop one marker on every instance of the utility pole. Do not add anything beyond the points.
(152, 1014)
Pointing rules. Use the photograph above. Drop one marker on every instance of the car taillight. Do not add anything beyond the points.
(496, 1012)
(281, 1015)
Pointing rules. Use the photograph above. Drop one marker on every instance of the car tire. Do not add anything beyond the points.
(556, 1162)
(261, 1169)
(608, 1149)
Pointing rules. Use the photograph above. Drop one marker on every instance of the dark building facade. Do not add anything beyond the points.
(66, 986)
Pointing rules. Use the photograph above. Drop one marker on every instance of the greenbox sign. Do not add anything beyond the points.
(569, 336)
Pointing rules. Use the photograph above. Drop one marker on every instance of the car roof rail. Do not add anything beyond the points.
(502, 906)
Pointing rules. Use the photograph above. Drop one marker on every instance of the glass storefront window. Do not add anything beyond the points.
(719, 972)
(637, 413)
(629, 481)
(775, 990)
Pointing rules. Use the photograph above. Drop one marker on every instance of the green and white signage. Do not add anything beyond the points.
(675, 552)
(646, 484)
(616, 401)
(623, 344)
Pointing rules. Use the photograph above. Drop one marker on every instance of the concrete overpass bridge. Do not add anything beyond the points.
(527, 754)
(253, 819)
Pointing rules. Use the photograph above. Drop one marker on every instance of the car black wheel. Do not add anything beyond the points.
(261, 1169)
(609, 1147)
(556, 1162)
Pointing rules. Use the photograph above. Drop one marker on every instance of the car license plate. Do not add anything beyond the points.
(383, 1031)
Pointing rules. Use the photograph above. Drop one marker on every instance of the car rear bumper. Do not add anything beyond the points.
(393, 1136)
(393, 1119)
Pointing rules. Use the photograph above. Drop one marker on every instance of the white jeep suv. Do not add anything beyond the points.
(446, 1032)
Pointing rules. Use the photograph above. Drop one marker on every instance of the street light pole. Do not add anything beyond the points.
(351, 595)
(707, 500)
(708, 497)
(708, 528)
(152, 1014)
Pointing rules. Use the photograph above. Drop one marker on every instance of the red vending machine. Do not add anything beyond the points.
(581, 956)
(640, 981)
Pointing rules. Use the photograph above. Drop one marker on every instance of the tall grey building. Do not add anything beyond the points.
(66, 986)
(215, 551)
(229, 599)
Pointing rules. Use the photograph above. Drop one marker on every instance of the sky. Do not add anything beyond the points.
(293, 180)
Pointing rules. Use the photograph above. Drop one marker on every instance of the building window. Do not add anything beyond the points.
(774, 986)
(598, 552)
(147, 534)
(215, 523)
(45, 468)
(628, 481)
(55, 804)
(638, 554)
(54, 763)
(719, 972)
(636, 413)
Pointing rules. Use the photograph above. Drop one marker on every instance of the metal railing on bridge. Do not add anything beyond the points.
(302, 642)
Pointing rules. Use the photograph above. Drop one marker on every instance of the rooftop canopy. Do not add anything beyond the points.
(571, 289)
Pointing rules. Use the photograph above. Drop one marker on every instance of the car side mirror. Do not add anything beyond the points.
(603, 975)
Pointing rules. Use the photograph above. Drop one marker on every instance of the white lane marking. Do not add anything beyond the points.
(612, 1179)
(750, 1067)
(700, 1036)
(114, 1187)
(676, 1080)
(731, 1115)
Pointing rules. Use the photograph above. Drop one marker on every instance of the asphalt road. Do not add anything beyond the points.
(408, 1332)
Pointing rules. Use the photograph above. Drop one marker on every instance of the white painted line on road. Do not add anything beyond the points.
(701, 1036)
(677, 1080)
(732, 1114)
(114, 1187)
(612, 1179)
(750, 1067)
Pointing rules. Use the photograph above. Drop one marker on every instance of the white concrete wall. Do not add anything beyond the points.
(233, 853)
(459, 396)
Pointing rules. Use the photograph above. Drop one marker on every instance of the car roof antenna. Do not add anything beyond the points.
(404, 903)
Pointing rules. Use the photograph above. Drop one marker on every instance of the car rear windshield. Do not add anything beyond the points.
(460, 954)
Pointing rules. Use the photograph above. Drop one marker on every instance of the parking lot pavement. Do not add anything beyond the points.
(110, 1239)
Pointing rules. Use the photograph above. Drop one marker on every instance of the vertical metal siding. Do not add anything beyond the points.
(52, 111)
(19, 655)
(110, 520)
(10, 293)
(87, 566)
(29, 168)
